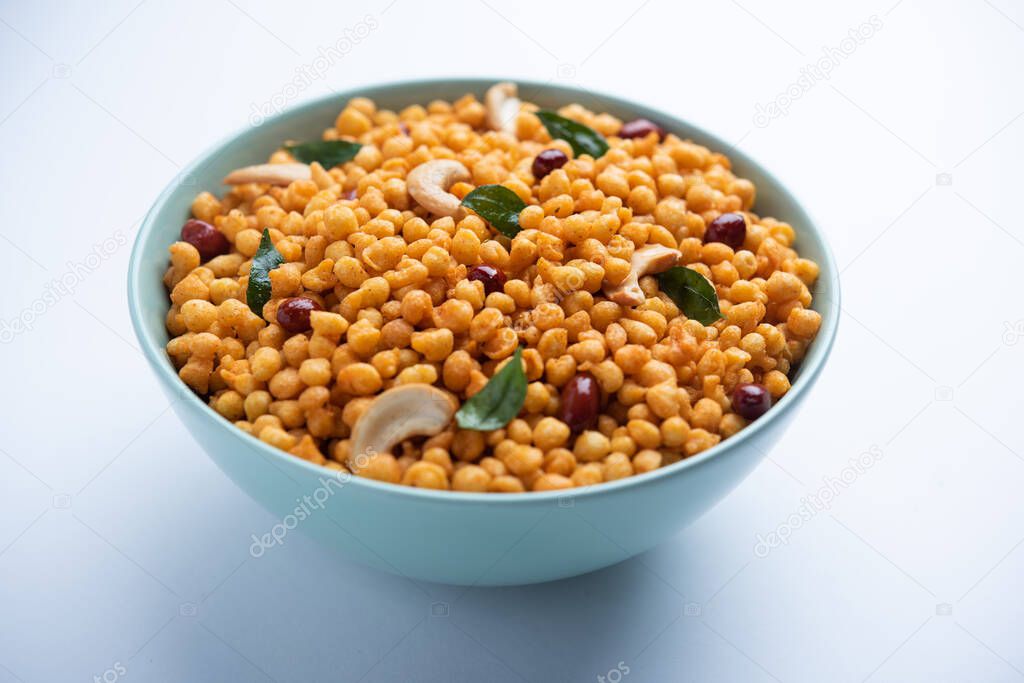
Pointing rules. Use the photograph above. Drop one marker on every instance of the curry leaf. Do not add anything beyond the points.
(499, 401)
(329, 153)
(497, 205)
(695, 296)
(266, 259)
(582, 139)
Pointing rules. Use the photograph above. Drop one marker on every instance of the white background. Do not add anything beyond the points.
(124, 551)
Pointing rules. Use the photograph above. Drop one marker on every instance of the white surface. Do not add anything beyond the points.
(124, 551)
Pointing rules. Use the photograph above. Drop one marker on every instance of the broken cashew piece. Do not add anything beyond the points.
(654, 258)
(399, 413)
(502, 105)
(270, 174)
(428, 184)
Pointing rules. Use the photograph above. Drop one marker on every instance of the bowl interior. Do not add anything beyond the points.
(149, 303)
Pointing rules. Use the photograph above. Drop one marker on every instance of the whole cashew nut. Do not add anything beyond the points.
(271, 174)
(502, 104)
(428, 184)
(654, 258)
(399, 413)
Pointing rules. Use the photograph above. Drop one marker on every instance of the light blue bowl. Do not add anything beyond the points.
(449, 537)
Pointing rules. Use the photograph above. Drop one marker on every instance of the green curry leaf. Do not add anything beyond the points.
(329, 153)
(695, 296)
(582, 139)
(499, 401)
(497, 205)
(267, 258)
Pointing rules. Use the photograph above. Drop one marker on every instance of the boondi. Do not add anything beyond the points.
(485, 296)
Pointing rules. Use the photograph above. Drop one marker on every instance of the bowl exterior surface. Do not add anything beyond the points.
(461, 538)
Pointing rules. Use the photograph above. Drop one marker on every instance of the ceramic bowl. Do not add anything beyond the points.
(444, 536)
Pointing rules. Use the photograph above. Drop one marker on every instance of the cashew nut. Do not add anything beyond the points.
(271, 174)
(399, 413)
(428, 184)
(502, 106)
(654, 258)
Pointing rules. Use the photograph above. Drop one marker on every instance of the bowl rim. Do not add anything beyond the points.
(810, 370)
